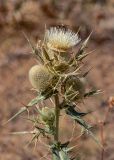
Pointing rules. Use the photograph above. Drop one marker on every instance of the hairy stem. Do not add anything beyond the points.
(57, 113)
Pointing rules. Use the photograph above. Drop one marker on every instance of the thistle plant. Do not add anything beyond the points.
(59, 77)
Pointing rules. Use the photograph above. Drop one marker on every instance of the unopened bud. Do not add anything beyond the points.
(39, 77)
(75, 88)
(47, 115)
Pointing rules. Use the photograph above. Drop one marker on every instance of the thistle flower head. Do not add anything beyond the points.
(39, 77)
(60, 39)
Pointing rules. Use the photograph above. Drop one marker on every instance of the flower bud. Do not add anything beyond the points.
(39, 77)
(47, 115)
(75, 88)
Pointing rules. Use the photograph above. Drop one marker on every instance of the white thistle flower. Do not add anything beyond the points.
(60, 39)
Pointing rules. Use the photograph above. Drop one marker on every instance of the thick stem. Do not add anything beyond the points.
(57, 114)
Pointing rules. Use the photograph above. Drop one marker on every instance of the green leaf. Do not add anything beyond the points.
(35, 100)
(55, 157)
(63, 155)
(73, 112)
(60, 151)
(23, 109)
(82, 123)
(64, 145)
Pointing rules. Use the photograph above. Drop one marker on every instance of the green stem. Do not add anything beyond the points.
(57, 114)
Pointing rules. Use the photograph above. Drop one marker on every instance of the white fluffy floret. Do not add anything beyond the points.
(60, 39)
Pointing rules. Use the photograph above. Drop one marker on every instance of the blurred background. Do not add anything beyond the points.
(30, 17)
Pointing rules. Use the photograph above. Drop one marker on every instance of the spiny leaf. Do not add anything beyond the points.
(91, 93)
(86, 73)
(35, 136)
(55, 154)
(86, 41)
(84, 55)
(35, 101)
(70, 148)
(95, 138)
(55, 157)
(35, 51)
(84, 124)
(76, 113)
(60, 151)
(46, 54)
(83, 46)
(60, 155)
(23, 109)
(63, 155)
(64, 145)
(77, 118)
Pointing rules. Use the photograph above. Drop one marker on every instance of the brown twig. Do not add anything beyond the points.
(102, 138)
